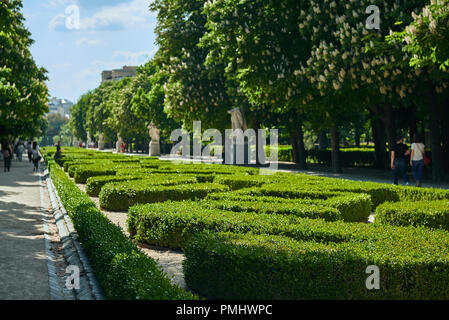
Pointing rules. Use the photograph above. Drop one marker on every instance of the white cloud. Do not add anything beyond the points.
(88, 42)
(120, 16)
(134, 58)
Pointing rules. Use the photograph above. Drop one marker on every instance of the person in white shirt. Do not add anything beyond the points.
(417, 159)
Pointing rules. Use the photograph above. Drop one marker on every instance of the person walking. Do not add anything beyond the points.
(398, 161)
(7, 156)
(20, 149)
(36, 156)
(30, 151)
(417, 159)
(58, 153)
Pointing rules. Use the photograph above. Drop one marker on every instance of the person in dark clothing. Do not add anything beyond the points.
(7, 155)
(398, 161)
(58, 154)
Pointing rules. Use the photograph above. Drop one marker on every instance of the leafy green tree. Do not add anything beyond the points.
(193, 90)
(55, 124)
(78, 116)
(23, 92)
(149, 104)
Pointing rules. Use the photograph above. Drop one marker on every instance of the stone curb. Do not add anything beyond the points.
(73, 251)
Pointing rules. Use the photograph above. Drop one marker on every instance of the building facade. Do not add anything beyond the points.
(60, 106)
(118, 74)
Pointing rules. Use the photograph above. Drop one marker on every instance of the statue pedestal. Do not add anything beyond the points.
(118, 145)
(100, 142)
(155, 149)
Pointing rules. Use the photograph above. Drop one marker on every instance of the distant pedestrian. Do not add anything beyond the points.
(58, 153)
(398, 161)
(36, 156)
(7, 155)
(20, 149)
(30, 151)
(417, 159)
(122, 148)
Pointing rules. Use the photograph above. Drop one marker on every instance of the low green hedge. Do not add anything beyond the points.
(94, 184)
(172, 224)
(352, 207)
(421, 194)
(123, 271)
(83, 173)
(285, 208)
(264, 267)
(235, 182)
(122, 195)
(432, 214)
(379, 193)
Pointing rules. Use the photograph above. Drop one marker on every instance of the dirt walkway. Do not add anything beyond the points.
(23, 264)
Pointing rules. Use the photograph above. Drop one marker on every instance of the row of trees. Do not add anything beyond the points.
(296, 65)
(23, 92)
(123, 108)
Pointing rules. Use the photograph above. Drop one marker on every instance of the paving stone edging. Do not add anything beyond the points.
(73, 251)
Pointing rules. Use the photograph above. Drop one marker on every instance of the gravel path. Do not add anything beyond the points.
(169, 260)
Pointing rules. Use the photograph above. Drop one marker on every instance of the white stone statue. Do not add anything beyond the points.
(154, 133)
(238, 119)
(100, 142)
(155, 146)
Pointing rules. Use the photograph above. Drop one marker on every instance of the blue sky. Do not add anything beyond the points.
(111, 34)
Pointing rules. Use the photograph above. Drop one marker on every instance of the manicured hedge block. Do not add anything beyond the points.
(83, 173)
(379, 193)
(94, 184)
(285, 208)
(235, 182)
(421, 194)
(264, 267)
(171, 224)
(121, 196)
(431, 214)
(122, 269)
(352, 207)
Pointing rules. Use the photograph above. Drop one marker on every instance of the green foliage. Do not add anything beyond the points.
(263, 267)
(122, 195)
(122, 269)
(431, 214)
(23, 92)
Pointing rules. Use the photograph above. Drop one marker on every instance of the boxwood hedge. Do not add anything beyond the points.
(432, 214)
(236, 266)
(122, 195)
(122, 269)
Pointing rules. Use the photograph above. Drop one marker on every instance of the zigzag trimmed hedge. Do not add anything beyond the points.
(352, 207)
(263, 267)
(123, 271)
(172, 224)
(431, 214)
(122, 195)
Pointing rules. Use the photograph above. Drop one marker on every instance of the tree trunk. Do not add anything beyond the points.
(435, 135)
(444, 121)
(413, 122)
(388, 121)
(299, 150)
(335, 143)
(357, 136)
(379, 143)
(324, 143)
